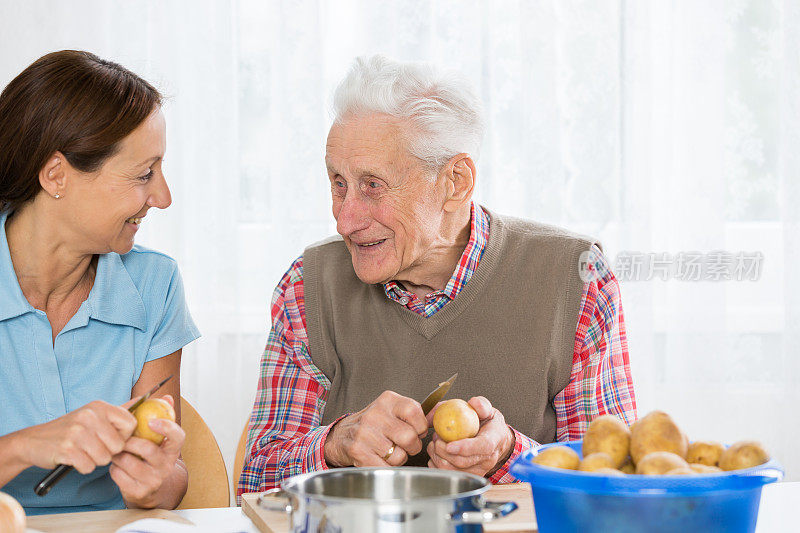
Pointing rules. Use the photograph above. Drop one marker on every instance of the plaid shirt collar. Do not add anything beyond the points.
(478, 236)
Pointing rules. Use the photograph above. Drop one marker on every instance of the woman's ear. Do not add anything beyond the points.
(460, 175)
(53, 176)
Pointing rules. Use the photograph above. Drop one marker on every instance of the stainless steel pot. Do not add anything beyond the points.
(385, 500)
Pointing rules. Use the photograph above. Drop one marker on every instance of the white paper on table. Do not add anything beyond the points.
(156, 525)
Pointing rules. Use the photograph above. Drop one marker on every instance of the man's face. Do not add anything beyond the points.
(387, 205)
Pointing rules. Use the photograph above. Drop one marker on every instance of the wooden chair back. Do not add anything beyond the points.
(208, 478)
(238, 461)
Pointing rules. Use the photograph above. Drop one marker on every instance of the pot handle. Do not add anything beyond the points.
(275, 500)
(490, 511)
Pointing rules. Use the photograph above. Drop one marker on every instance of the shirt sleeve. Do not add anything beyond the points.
(600, 382)
(521, 443)
(175, 329)
(284, 436)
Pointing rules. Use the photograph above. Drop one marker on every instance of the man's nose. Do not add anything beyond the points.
(160, 196)
(353, 214)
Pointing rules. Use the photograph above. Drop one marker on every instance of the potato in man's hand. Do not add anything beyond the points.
(455, 420)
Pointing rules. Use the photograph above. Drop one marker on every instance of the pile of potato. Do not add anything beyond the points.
(652, 446)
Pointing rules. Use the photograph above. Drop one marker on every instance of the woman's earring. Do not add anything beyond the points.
(57, 196)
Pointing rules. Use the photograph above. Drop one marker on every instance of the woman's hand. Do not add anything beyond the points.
(85, 438)
(144, 470)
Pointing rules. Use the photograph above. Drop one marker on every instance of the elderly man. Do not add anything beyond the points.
(422, 283)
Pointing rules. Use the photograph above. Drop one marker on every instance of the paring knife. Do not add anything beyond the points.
(55, 475)
(437, 395)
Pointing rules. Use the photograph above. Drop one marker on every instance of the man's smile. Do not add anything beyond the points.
(368, 244)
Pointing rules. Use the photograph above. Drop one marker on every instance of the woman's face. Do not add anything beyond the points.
(105, 208)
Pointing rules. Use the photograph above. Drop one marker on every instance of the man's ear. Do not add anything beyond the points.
(459, 174)
(53, 175)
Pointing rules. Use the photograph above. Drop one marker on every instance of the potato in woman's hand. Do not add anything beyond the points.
(659, 463)
(743, 454)
(657, 432)
(151, 409)
(596, 461)
(610, 435)
(558, 457)
(704, 453)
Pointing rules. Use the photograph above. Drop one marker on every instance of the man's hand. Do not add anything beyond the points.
(482, 454)
(390, 423)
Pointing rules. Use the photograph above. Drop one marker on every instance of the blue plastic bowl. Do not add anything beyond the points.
(567, 500)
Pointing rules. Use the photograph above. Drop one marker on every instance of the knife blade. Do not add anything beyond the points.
(141, 400)
(55, 475)
(437, 395)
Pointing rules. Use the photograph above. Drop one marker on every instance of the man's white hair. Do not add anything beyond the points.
(443, 116)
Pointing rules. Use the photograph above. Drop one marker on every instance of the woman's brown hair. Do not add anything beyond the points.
(68, 101)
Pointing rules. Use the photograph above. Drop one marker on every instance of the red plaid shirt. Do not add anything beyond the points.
(285, 437)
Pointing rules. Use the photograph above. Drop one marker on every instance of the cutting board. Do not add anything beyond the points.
(520, 521)
(98, 521)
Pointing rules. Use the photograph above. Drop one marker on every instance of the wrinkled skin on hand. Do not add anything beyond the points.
(390, 423)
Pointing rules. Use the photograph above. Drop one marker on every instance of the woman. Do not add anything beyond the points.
(88, 321)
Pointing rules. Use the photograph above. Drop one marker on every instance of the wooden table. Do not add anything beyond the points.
(779, 504)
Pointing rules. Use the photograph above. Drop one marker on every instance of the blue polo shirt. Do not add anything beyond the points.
(135, 313)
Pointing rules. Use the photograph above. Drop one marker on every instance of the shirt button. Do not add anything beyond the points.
(404, 300)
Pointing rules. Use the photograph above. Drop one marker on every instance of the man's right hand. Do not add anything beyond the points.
(84, 438)
(365, 438)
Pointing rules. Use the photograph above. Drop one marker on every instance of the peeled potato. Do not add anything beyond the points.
(659, 463)
(704, 469)
(558, 457)
(12, 515)
(595, 461)
(608, 434)
(657, 432)
(743, 454)
(151, 409)
(455, 420)
(704, 453)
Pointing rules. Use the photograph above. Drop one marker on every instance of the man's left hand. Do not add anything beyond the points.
(482, 454)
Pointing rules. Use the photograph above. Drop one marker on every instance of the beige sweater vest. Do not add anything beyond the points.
(510, 332)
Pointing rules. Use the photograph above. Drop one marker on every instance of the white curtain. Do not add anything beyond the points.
(661, 127)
